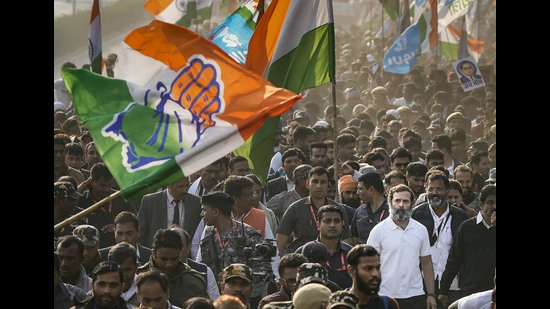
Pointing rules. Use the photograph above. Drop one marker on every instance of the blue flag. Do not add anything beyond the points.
(404, 52)
(234, 32)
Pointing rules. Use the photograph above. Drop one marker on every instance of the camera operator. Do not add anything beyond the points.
(241, 189)
(226, 241)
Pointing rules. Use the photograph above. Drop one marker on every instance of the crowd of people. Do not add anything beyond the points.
(385, 199)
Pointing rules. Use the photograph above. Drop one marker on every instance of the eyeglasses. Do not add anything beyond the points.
(401, 165)
(249, 195)
(436, 163)
(467, 68)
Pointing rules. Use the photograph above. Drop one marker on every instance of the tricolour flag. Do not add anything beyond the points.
(94, 41)
(472, 18)
(233, 33)
(451, 10)
(183, 103)
(453, 44)
(293, 47)
(180, 12)
(293, 44)
(417, 39)
(404, 16)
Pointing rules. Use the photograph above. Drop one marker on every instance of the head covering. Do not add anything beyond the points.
(343, 298)
(393, 112)
(88, 234)
(346, 182)
(404, 109)
(217, 198)
(300, 115)
(321, 123)
(59, 106)
(311, 272)
(301, 171)
(492, 176)
(436, 124)
(367, 169)
(315, 252)
(455, 115)
(311, 296)
(65, 189)
(379, 90)
(352, 94)
(236, 270)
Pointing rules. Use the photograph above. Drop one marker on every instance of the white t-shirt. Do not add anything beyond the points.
(480, 300)
(400, 251)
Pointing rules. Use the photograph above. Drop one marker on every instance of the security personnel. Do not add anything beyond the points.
(224, 239)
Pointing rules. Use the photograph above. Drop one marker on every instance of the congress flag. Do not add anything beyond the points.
(180, 12)
(181, 104)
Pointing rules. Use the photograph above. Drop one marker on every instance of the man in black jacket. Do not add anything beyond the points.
(442, 220)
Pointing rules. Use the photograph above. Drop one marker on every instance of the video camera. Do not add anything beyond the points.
(259, 258)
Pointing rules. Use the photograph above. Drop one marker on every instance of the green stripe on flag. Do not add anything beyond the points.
(305, 66)
(96, 106)
(449, 50)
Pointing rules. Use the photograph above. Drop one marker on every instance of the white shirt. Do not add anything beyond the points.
(196, 188)
(195, 243)
(212, 288)
(170, 210)
(131, 291)
(442, 246)
(276, 163)
(479, 218)
(480, 300)
(61, 92)
(400, 251)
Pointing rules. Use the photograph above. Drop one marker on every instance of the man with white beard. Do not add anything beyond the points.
(441, 219)
(403, 244)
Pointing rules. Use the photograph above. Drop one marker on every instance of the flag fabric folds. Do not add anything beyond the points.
(417, 39)
(292, 47)
(456, 44)
(180, 104)
(404, 16)
(180, 12)
(233, 33)
(391, 7)
(94, 42)
(451, 10)
(293, 44)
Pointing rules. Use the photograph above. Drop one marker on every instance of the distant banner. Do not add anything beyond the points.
(469, 74)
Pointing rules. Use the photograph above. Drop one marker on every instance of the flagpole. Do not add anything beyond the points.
(335, 165)
(86, 211)
(382, 43)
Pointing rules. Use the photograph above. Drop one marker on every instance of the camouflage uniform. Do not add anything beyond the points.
(65, 189)
(217, 257)
(343, 298)
(238, 270)
(90, 236)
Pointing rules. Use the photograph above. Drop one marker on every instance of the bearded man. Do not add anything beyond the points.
(404, 243)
